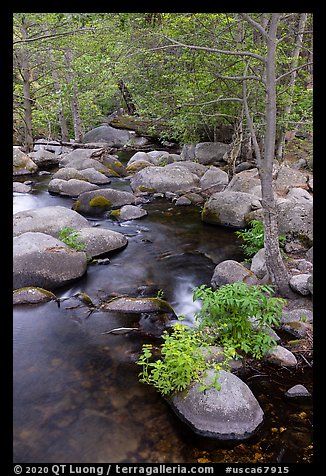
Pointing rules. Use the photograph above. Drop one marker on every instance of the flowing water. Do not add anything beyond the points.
(76, 393)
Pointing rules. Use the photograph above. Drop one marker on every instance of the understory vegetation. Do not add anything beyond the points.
(236, 317)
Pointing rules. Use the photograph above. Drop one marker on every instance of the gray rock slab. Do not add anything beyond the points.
(137, 305)
(108, 135)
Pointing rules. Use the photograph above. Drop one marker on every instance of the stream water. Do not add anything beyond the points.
(76, 393)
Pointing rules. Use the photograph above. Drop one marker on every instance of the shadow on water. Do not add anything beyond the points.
(76, 392)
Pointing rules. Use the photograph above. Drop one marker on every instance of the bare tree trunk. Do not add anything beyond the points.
(74, 102)
(131, 108)
(26, 75)
(62, 117)
(274, 263)
(294, 63)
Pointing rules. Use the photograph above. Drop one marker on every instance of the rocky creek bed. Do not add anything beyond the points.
(76, 391)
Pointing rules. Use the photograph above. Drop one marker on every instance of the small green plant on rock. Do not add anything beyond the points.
(239, 315)
(182, 361)
(70, 237)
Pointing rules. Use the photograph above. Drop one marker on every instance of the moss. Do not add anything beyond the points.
(115, 213)
(47, 293)
(76, 205)
(142, 188)
(210, 216)
(111, 171)
(100, 201)
(136, 166)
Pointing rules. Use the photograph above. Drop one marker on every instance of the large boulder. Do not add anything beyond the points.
(99, 241)
(22, 164)
(99, 201)
(82, 163)
(288, 178)
(245, 181)
(231, 413)
(108, 135)
(163, 179)
(43, 261)
(295, 220)
(230, 271)
(44, 159)
(214, 179)
(71, 187)
(228, 208)
(90, 175)
(49, 220)
(209, 153)
(281, 356)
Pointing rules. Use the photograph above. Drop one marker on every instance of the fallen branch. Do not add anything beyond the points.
(120, 330)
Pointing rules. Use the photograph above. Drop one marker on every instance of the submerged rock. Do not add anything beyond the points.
(231, 413)
(137, 305)
(43, 261)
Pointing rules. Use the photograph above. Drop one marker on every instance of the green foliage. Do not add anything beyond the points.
(239, 315)
(254, 238)
(71, 238)
(182, 361)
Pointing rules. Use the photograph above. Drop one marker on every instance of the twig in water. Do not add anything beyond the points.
(123, 330)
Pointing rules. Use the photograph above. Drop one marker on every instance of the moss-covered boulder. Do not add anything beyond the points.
(32, 295)
(133, 305)
(97, 202)
(22, 164)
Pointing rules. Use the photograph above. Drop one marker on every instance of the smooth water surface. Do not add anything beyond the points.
(76, 393)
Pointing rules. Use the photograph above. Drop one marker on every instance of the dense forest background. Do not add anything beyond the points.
(188, 76)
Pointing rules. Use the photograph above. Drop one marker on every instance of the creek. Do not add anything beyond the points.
(76, 392)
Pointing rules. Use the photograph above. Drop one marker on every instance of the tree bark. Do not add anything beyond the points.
(274, 263)
(74, 102)
(61, 114)
(294, 63)
(126, 95)
(26, 76)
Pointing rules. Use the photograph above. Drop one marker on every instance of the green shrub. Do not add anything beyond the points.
(239, 314)
(254, 238)
(71, 238)
(182, 361)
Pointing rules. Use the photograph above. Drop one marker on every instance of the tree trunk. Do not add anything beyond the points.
(26, 75)
(294, 63)
(62, 118)
(126, 95)
(274, 263)
(74, 102)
